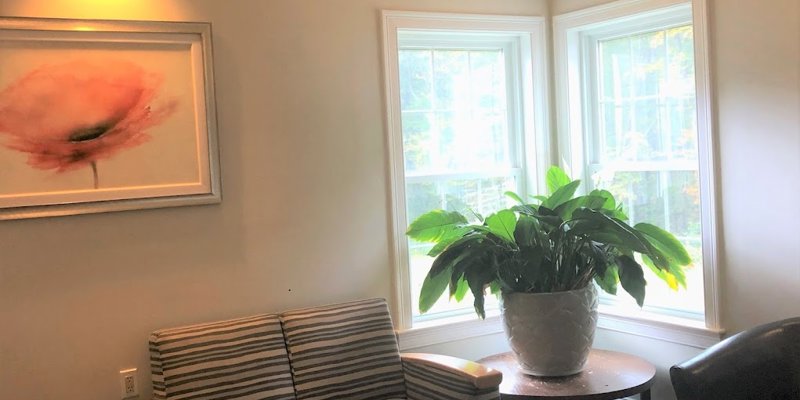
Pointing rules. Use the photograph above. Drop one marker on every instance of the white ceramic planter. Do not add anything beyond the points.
(551, 333)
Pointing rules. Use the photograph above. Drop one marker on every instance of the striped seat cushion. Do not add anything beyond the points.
(344, 351)
(242, 359)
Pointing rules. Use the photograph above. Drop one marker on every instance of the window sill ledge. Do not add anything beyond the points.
(684, 332)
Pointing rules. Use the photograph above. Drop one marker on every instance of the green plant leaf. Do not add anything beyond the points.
(608, 281)
(548, 217)
(434, 225)
(674, 276)
(665, 242)
(525, 231)
(631, 277)
(527, 209)
(565, 210)
(609, 202)
(556, 178)
(432, 289)
(461, 290)
(601, 228)
(503, 223)
(453, 253)
(449, 238)
(479, 275)
(562, 195)
(514, 197)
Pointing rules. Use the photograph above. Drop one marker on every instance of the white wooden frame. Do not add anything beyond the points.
(195, 38)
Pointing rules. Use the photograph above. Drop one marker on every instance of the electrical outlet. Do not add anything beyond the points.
(129, 384)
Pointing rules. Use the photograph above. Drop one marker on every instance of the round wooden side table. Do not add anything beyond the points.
(607, 375)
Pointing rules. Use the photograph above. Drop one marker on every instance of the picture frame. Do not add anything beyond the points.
(100, 116)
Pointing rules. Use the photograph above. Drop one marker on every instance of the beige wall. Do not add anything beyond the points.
(304, 216)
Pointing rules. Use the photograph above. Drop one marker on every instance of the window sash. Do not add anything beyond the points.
(575, 36)
(524, 36)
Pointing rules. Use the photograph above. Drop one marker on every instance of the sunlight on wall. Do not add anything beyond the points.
(103, 9)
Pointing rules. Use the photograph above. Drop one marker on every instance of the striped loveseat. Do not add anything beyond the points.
(341, 351)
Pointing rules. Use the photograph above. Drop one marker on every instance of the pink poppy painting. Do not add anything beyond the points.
(71, 116)
(100, 116)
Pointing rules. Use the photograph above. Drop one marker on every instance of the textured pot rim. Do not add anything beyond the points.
(587, 288)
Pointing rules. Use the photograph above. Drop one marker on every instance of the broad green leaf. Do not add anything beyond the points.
(662, 274)
(494, 288)
(665, 242)
(448, 239)
(514, 197)
(434, 225)
(432, 289)
(525, 231)
(503, 223)
(461, 290)
(562, 195)
(609, 280)
(478, 276)
(609, 201)
(548, 217)
(674, 276)
(631, 277)
(526, 209)
(565, 210)
(601, 228)
(556, 178)
(453, 253)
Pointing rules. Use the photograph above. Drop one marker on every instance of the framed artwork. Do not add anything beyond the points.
(100, 116)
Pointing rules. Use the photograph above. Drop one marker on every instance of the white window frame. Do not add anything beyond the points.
(530, 35)
(571, 33)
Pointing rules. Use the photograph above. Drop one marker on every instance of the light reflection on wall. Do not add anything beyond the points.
(97, 9)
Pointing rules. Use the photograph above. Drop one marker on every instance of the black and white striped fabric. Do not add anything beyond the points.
(344, 351)
(242, 359)
(426, 382)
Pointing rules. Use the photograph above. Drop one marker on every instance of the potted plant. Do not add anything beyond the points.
(541, 259)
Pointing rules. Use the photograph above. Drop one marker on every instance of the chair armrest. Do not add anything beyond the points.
(437, 376)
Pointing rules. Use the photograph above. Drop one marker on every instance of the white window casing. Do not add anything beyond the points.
(574, 34)
(523, 39)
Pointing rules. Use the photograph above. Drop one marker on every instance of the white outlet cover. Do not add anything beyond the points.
(129, 383)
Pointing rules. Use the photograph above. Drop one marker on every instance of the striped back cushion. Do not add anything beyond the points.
(240, 359)
(344, 351)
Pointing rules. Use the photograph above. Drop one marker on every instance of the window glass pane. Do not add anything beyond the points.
(451, 79)
(415, 79)
(457, 145)
(417, 141)
(646, 146)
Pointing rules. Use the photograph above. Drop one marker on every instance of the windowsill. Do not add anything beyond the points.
(681, 331)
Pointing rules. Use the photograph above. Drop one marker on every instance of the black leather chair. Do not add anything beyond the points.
(762, 363)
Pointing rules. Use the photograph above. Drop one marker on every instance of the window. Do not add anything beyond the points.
(463, 121)
(629, 107)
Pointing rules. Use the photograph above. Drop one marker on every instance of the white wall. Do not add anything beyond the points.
(305, 195)
(303, 220)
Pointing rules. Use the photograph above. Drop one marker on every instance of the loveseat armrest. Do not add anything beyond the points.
(433, 376)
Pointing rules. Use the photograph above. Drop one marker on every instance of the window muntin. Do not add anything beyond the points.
(461, 136)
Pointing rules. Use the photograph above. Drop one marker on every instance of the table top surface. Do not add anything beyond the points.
(607, 375)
